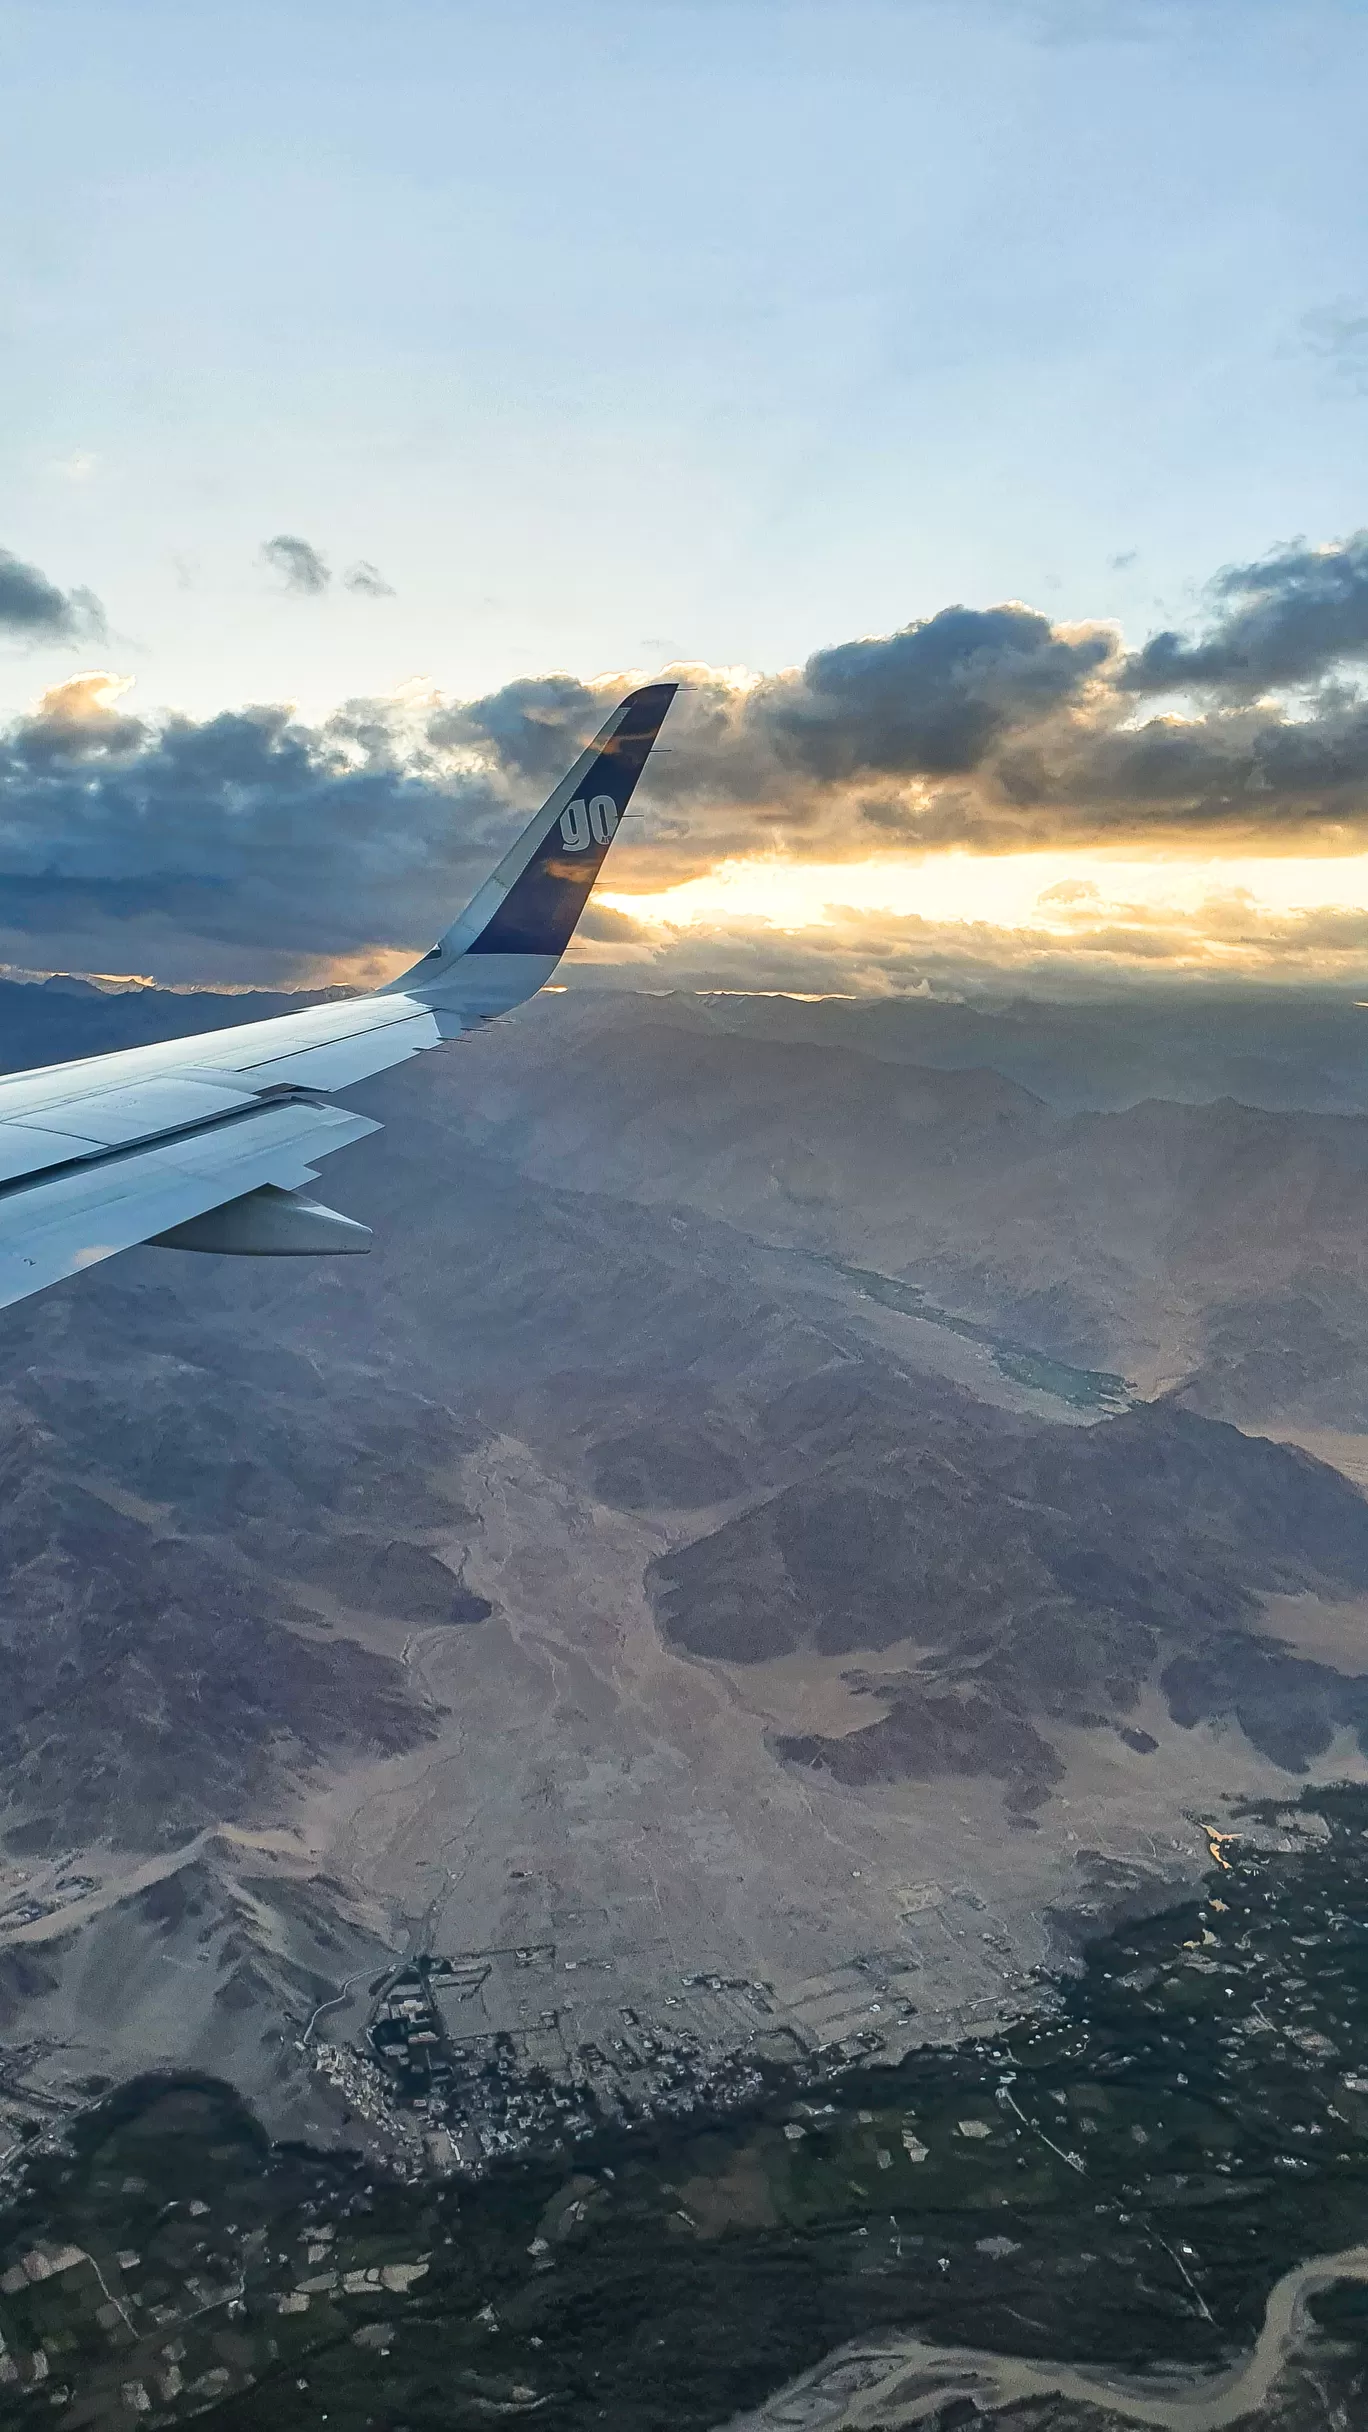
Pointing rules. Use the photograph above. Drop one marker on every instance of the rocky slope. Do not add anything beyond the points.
(579, 1555)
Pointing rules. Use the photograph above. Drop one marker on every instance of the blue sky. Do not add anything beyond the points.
(650, 328)
(634, 331)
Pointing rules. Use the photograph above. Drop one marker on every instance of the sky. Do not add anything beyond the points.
(382, 388)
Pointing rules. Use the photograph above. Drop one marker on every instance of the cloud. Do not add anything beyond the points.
(77, 721)
(929, 701)
(256, 845)
(532, 727)
(298, 564)
(992, 730)
(1106, 947)
(1288, 620)
(368, 579)
(32, 609)
(245, 845)
(306, 573)
(886, 740)
(1227, 775)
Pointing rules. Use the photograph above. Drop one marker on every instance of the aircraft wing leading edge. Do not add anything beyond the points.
(203, 1143)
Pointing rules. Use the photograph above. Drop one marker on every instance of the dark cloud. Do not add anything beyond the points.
(533, 727)
(816, 755)
(929, 701)
(1289, 620)
(298, 564)
(368, 579)
(235, 847)
(33, 610)
(1031, 743)
(252, 845)
(994, 730)
(1251, 770)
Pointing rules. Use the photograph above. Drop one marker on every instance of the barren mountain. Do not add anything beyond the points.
(603, 1564)
(1000, 1578)
(1217, 1249)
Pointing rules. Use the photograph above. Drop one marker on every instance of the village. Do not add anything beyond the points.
(490, 2055)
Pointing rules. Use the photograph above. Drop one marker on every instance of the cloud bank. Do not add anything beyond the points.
(999, 729)
(254, 846)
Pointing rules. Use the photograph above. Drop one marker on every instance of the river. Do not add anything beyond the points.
(906, 2380)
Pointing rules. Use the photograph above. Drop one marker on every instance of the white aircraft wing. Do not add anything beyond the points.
(203, 1143)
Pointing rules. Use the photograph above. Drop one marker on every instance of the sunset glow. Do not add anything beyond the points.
(1039, 891)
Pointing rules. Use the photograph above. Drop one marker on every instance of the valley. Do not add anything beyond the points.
(1138, 2202)
(639, 1576)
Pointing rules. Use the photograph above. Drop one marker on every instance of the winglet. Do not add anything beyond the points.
(529, 907)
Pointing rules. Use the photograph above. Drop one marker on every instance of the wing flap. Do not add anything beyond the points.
(25, 1149)
(57, 1226)
(358, 1036)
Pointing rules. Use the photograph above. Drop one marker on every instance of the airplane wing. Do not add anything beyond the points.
(203, 1143)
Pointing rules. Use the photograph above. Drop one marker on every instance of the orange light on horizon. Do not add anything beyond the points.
(1059, 891)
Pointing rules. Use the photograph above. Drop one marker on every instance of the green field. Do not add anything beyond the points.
(1120, 2179)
